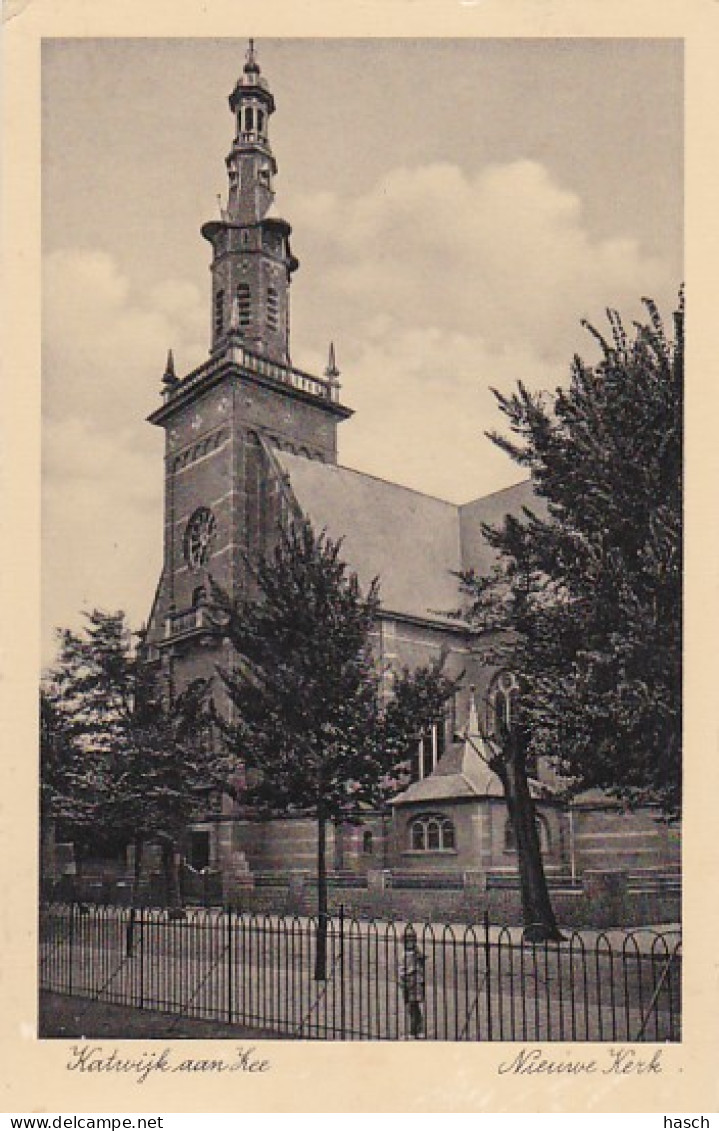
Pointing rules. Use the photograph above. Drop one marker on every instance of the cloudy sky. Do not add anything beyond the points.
(458, 206)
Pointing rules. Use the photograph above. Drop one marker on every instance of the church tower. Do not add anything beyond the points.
(252, 263)
(225, 420)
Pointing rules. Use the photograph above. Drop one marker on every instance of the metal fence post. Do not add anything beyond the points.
(230, 960)
(342, 971)
(71, 939)
(488, 977)
(583, 990)
(141, 954)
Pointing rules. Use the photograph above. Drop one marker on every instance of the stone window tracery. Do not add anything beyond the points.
(432, 833)
(502, 704)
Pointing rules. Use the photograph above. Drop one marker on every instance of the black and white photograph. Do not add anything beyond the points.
(362, 490)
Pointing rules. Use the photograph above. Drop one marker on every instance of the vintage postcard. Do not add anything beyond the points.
(361, 586)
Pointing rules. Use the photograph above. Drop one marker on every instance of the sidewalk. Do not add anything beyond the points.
(63, 1016)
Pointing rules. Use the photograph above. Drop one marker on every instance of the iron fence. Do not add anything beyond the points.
(481, 982)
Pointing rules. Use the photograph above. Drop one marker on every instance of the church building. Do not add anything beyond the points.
(251, 442)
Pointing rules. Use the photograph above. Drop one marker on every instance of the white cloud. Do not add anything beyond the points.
(104, 347)
(503, 255)
(435, 286)
(103, 356)
(423, 403)
(101, 524)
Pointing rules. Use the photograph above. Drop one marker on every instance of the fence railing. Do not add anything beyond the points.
(481, 982)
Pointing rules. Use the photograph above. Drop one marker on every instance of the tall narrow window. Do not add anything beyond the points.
(219, 312)
(273, 309)
(542, 826)
(260, 121)
(503, 702)
(431, 748)
(426, 755)
(249, 119)
(243, 302)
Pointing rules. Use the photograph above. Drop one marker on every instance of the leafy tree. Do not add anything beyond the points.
(585, 602)
(316, 732)
(81, 733)
(68, 803)
(120, 764)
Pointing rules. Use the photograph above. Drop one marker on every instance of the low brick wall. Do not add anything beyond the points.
(605, 899)
(576, 909)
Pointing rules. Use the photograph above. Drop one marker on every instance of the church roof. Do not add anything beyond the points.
(477, 554)
(409, 540)
(463, 771)
(460, 772)
(414, 543)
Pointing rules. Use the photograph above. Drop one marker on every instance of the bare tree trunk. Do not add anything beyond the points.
(80, 854)
(537, 913)
(139, 846)
(171, 873)
(48, 857)
(136, 875)
(321, 947)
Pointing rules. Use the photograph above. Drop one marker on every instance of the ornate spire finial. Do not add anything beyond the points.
(169, 377)
(332, 371)
(251, 66)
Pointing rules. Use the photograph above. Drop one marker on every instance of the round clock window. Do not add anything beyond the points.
(199, 536)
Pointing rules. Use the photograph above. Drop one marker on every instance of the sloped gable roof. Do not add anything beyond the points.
(407, 539)
(460, 772)
(414, 543)
(477, 554)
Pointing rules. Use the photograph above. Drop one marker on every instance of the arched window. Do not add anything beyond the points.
(545, 843)
(249, 118)
(433, 833)
(502, 703)
(260, 121)
(199, 597)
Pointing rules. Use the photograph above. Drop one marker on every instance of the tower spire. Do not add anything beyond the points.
(251, 66)
(169, 377)
(332, 371)
(252, 259)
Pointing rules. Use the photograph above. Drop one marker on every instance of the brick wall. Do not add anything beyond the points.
(606, 836)
(573, 909)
